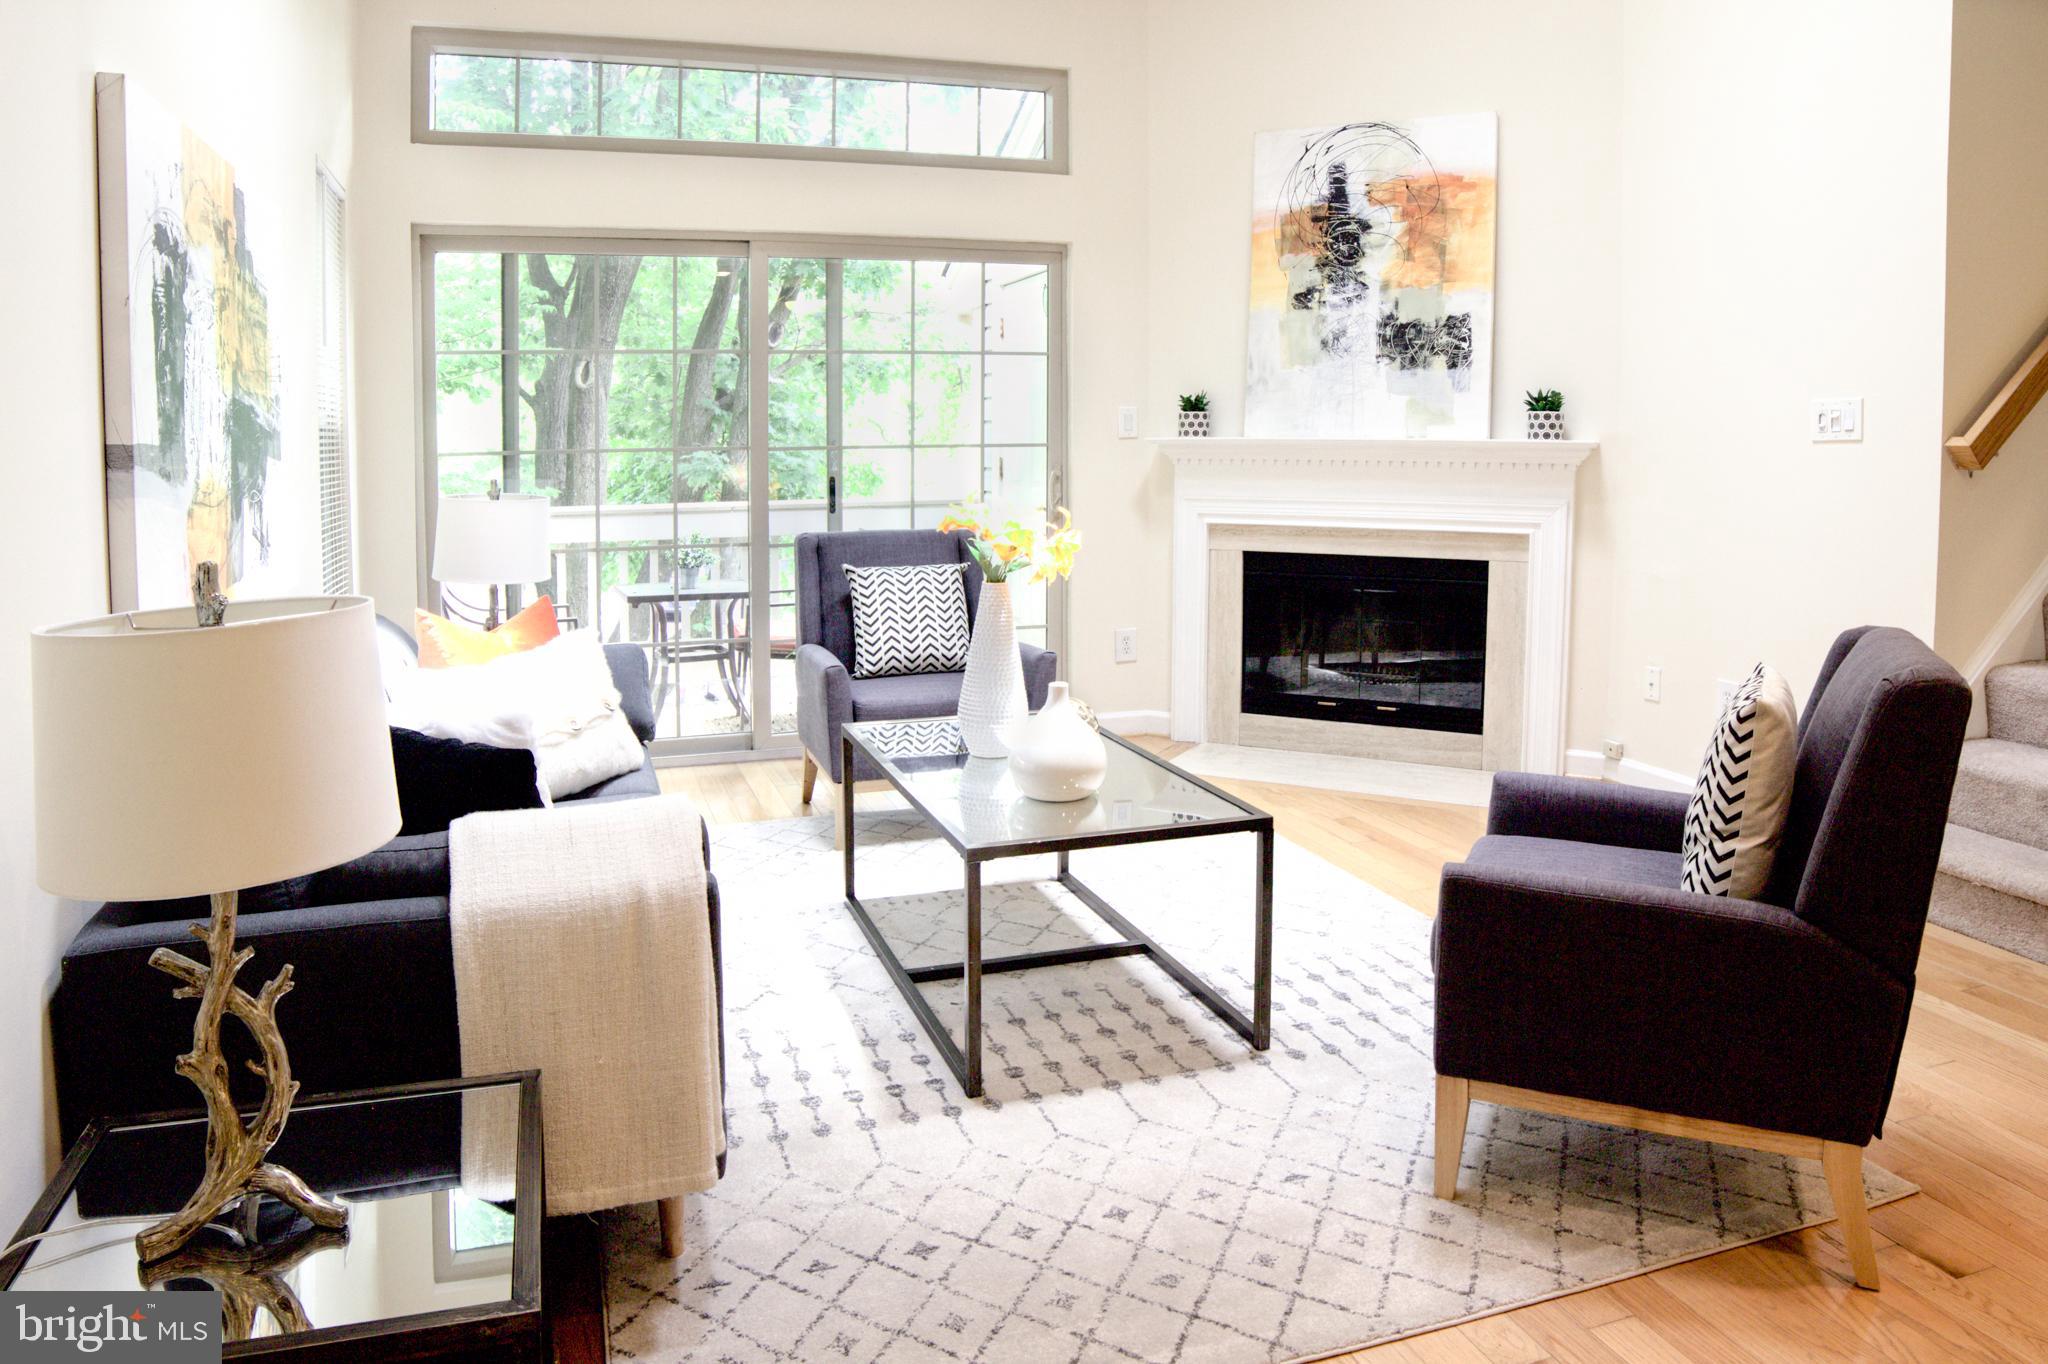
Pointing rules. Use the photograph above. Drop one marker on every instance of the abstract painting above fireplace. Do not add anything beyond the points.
(1372, 280)
(1366, 639)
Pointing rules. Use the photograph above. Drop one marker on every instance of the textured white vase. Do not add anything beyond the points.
(992, 702)
(1058, 755)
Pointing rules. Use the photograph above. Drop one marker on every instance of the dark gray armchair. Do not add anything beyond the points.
(827, 692)
(1574, 977)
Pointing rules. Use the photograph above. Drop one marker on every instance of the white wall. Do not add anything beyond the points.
(1994, 524)
(1548, 71)
(1782, 240)
(266, 82)
(1096, 211)
(1708, 215)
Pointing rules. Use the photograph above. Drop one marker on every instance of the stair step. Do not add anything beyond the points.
(1994, 890)
(2002, 789)
(2016, 700)
(2017, 869)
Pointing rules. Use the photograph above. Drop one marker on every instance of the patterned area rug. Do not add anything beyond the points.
(1137, 1184)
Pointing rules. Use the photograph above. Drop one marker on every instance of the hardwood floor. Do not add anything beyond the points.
(1965, 1261)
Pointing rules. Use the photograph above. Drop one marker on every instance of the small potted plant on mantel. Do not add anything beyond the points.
(1546, 414)
(1194, 413)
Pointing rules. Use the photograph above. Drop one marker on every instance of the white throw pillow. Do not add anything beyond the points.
(908, 619)
(468, 703)
(575, 762)
(1744, 790)
(557, 701)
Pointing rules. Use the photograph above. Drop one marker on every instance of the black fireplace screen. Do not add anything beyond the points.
(1366, 639)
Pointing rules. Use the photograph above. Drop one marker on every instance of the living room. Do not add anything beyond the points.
(945, 445)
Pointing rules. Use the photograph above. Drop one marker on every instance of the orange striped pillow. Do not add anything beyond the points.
(446, 643)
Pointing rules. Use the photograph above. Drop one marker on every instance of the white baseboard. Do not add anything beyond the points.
(1584, 762)
(1133, 721)
(2015, 638)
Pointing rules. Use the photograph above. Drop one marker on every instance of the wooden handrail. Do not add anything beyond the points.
(2002, 416)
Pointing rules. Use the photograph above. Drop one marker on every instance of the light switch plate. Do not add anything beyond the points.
(1836, 419)
(1127, 423)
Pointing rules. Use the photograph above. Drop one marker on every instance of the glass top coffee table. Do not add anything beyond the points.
(973, 805)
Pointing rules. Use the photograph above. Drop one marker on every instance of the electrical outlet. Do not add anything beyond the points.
(1126, 638)
(1724, 692)
(1837, 419)
(1653, 684)
(1611, 750)
(1127, 423)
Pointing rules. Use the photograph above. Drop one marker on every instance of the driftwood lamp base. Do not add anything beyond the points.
(236, 1168)
(251, 1277)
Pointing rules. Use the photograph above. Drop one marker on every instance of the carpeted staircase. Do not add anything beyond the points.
(1993, 882)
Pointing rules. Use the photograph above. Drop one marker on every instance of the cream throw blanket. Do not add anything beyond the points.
(582, 950)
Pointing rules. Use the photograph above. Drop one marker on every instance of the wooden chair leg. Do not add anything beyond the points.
(838, 799)
(671, 1210)
(1453, 1108)
(810, 777)
(1844, 1166)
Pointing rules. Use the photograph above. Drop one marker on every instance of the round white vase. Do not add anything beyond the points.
(1058, 755)
(992, 701)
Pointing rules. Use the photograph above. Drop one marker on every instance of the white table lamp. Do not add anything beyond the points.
(492, 539)
(175, 757)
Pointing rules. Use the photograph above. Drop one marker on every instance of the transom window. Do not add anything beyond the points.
(623, 94)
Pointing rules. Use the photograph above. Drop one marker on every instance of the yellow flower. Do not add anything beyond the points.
(1040, 552)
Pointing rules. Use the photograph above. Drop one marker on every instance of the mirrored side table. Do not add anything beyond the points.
(441, 1258)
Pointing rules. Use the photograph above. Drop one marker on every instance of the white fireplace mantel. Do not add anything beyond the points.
(1483, 487)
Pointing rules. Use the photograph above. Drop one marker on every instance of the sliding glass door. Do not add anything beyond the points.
(619, 380)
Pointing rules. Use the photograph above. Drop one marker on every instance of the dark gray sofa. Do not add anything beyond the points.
(827, 693)
(373, 998)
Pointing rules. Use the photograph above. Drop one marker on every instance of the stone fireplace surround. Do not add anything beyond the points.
(1507, 501)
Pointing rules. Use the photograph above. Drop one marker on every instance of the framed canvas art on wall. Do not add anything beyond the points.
(189, 364)
(1372, 280)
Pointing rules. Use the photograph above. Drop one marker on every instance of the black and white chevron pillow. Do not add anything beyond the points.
(1738, 807)
(909, 619)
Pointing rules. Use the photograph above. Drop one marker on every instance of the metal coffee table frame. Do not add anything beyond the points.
(965, 1062)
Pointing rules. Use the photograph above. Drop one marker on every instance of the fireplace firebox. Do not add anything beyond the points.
(1366, 639)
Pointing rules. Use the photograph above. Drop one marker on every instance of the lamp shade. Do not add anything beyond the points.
(492, 539)
(173, 759)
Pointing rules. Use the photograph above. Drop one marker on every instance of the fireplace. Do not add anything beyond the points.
(1506, 504)
(1366, 639)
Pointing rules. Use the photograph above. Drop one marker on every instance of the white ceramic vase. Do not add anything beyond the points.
(992, 701)
(1058, 756)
